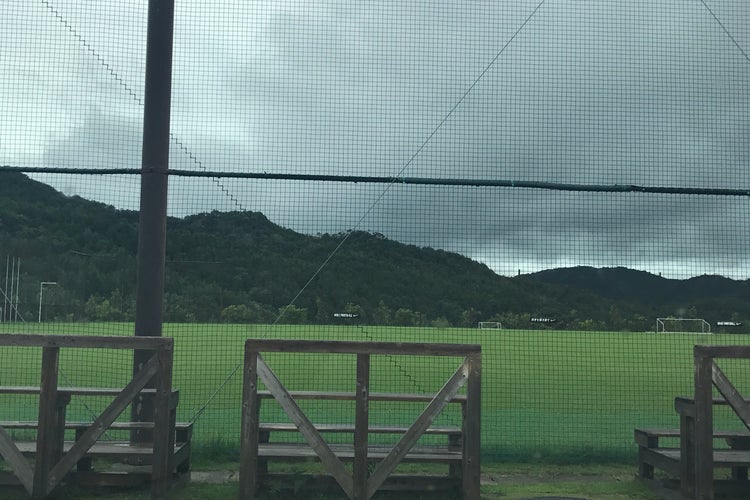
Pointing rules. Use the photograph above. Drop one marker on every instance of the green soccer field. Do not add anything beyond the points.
(546, 395)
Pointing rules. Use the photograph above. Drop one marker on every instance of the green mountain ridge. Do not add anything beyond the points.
(241, 267)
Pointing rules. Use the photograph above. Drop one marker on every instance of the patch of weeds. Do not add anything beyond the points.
(215, 454)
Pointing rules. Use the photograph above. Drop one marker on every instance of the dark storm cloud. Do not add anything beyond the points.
(634, 92)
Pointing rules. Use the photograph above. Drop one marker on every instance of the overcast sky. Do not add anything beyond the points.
(589, 92)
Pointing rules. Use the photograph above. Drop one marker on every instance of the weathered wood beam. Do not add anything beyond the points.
(85, 341)
(703, 464)
(351, 347)
(731, 394)
(21, 468)
(249, 430)
(164, 422)
(50, 435)
(417, 429)
(472, 429)
(361, 427)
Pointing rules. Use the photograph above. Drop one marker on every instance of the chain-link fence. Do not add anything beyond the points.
(562, 173)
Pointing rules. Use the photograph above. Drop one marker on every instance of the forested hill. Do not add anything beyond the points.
(714, 298)
(236, 266)
(241, 267)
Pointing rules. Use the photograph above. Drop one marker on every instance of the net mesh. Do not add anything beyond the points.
(397, 171)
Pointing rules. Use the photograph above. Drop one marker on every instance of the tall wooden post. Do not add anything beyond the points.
(361, 426)
(152, 228)
(703, 472)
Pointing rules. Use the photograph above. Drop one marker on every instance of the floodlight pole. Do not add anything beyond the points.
(41, 291)
(152, 226)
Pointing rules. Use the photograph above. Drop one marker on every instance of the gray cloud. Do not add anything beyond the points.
(633, 92)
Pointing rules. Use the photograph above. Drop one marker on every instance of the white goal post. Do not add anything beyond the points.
(683, 325)
(490, 324)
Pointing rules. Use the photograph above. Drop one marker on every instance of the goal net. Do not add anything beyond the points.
(490, 324)
(682, 325)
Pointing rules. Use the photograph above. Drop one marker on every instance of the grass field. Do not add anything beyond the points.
(547, 396)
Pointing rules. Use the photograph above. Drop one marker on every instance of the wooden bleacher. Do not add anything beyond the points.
(700, 449)
(166, 452)
(372, 463)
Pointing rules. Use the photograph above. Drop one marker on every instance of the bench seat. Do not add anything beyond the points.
(183, 430)
(105, 449)
(646, 437)
(345, 452)
(113, 450)
(667, 458)
(348, 428)
(139, 457)
(373, 396)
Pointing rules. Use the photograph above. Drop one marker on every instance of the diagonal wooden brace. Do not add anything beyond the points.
(417, 429)
(731, 394)
(306, 427)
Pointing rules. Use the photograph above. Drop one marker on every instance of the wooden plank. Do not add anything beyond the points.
(351, 347)
(738, 404)
(723, 351)
(105, 419)
(104, 449)
(722, 458)
(703, 465)
(666, 460)
(472, 429)
(372, 429)
(640, 435)
(50, 436)
(425, 419)
(373, 396)
(685, 405)
(86, 341)
(16, 461)
(163, 435)
(127, 426)
(249, 427)
(687, 452)
(332, 464)
(69, 391)
(345, 452)
(649, 438)
(361, 424)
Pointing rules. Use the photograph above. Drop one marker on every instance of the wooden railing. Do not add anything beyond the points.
(52, 461)
(697, 450)
(361, 483)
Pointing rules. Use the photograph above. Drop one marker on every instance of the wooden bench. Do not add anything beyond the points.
(110, 450)
(696, 457)
(372, 463)
(652, 453)
(151, 442)
(450, 453)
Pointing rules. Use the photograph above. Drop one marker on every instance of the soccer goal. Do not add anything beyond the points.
(682, 325)
(490, 324)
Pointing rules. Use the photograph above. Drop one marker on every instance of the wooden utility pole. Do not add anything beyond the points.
(152, 227)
